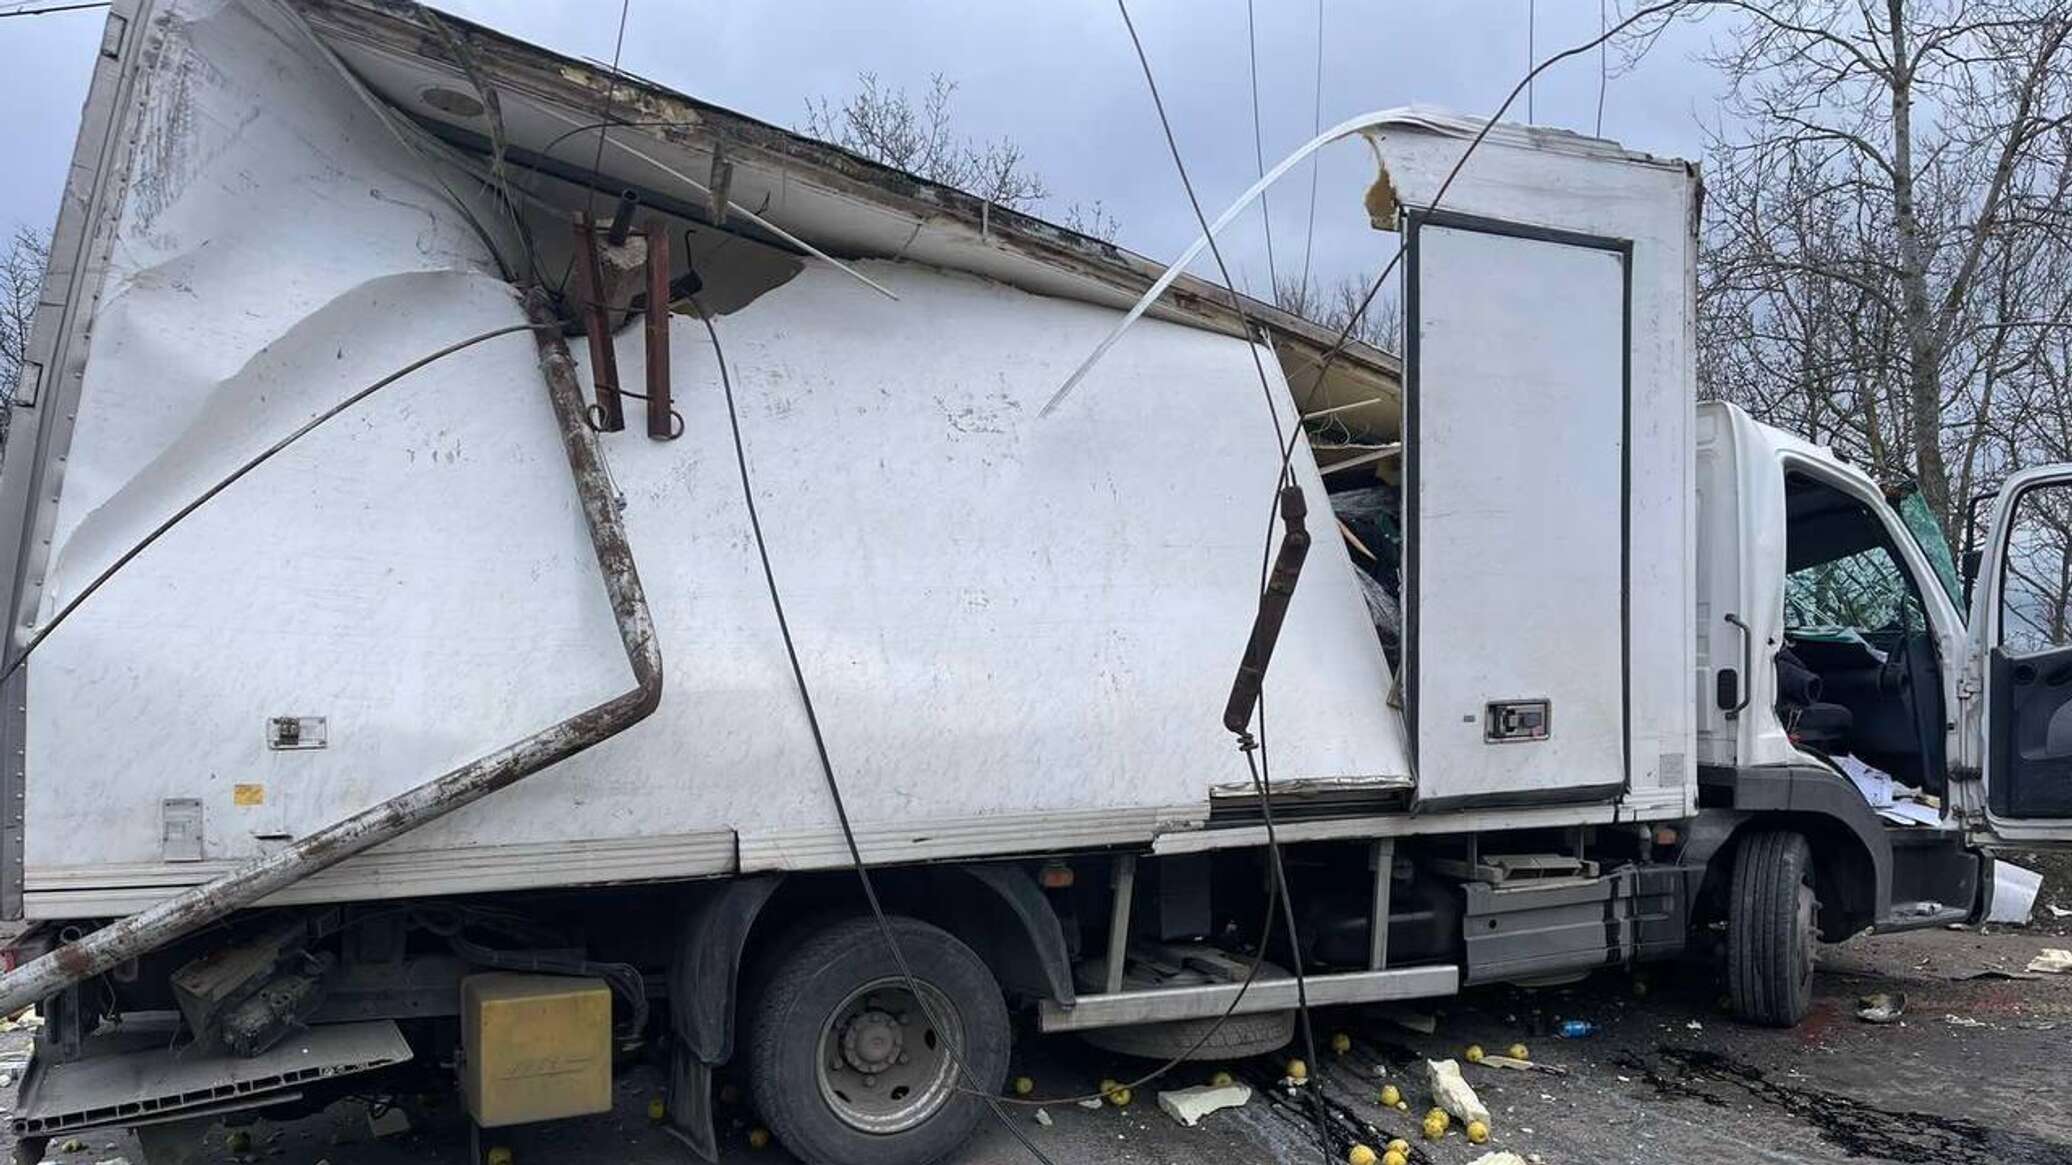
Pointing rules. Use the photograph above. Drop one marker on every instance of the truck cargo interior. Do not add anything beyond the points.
(563, 572)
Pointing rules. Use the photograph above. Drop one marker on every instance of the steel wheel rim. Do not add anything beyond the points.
(883, 1067)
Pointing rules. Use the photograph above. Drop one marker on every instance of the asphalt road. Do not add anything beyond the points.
(1974, 1074)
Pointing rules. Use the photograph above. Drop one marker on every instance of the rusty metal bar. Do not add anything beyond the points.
(597, 326)
(661, 423)
(622, 217)
(192, 909)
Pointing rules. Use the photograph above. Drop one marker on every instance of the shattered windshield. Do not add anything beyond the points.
(1927, 533)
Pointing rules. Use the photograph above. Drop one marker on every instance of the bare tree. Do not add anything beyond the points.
(886, 125)
(1886, 235)
(21, 285)
(1380, 325)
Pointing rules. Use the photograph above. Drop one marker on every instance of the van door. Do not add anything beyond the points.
(2021, 633)
(1517, 392)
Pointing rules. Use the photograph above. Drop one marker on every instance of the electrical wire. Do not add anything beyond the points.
(611, 89)
(1316, 119)
(202, 499)
(1245, 744)
(827, 767)
(1273, 279)
(1603, 68)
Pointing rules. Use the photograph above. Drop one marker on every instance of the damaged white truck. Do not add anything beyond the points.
(395, 662)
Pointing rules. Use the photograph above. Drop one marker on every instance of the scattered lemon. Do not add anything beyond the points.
(657, 1110)
(1023, 1086)
(1518, 1052)
(498, 1155)
(1434, 1129)
(1391, 1096)
(1474, 1053)
(1341, 1043)
(1399, 1145)
(1297, 1070)
(1117, 1095)
(758, 1138)
(1394, 1158)
(1477, 1132)
(1360, 1155)
(1222, 1080)
(1436, 1113)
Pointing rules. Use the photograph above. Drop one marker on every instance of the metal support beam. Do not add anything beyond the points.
(1160, 1004)
(1119, 918)
(661, 423)
(597, 327)
(1378, 924)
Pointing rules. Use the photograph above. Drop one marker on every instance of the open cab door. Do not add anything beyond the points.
(2021, 666)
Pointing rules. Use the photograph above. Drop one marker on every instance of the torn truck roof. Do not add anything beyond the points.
(849, 205)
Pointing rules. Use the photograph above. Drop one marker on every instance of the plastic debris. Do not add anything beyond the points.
(1189, 1105)
(1043, 1118)
(2051, 961)
(1452, 1093)
(1500, 1157)
(1574, 1029)
(1962, 1021)
(1882, 1007)
(1091, 1103)
(1693, 1026)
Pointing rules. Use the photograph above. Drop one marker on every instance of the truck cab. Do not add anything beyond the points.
(1836, 655)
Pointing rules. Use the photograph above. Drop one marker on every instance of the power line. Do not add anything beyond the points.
(1273, 280)
(1281, 439)
(1603, 68)
(54, 8)
(1532, 22)
(1316, 126)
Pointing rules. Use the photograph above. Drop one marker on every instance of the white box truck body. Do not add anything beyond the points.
(456, 677)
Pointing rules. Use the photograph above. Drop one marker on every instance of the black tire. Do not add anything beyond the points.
(817, 980)
(1770, 929)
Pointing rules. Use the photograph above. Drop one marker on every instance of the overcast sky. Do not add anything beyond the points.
(1058, 76)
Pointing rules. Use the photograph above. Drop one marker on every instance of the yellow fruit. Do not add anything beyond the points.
(1434, 1129)
(1341, 1043)
(1221, 1080)
(1392, 1157)
(1119, 1097)
(1023, 1086)
(1477, 1132)
(1399, 1145)
(1391, 1096)
(1297, 1070)
(499, 1155)
(1436, 1113)
(1474, 1053)
(758, 1138)
(1518, 1052)
(1359, 1155)
(657, 1110)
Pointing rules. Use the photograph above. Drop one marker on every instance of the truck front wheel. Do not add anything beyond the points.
(1770, 929)
(850, 1064)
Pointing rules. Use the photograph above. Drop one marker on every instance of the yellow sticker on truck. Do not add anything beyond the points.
(248, 794)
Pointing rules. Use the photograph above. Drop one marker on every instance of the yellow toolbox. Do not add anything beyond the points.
(535, 1047)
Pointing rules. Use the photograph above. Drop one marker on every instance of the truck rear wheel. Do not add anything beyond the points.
(849, 1067)
(1770, 929)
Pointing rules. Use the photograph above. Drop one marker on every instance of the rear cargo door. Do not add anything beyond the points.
(1517, 390)
(2021, 629)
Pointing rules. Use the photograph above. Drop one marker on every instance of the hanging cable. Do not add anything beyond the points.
(1273, 279)
(1532, 24)
(1603, 67)
(1285, 480)
(827, 767)
(1316, 126)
